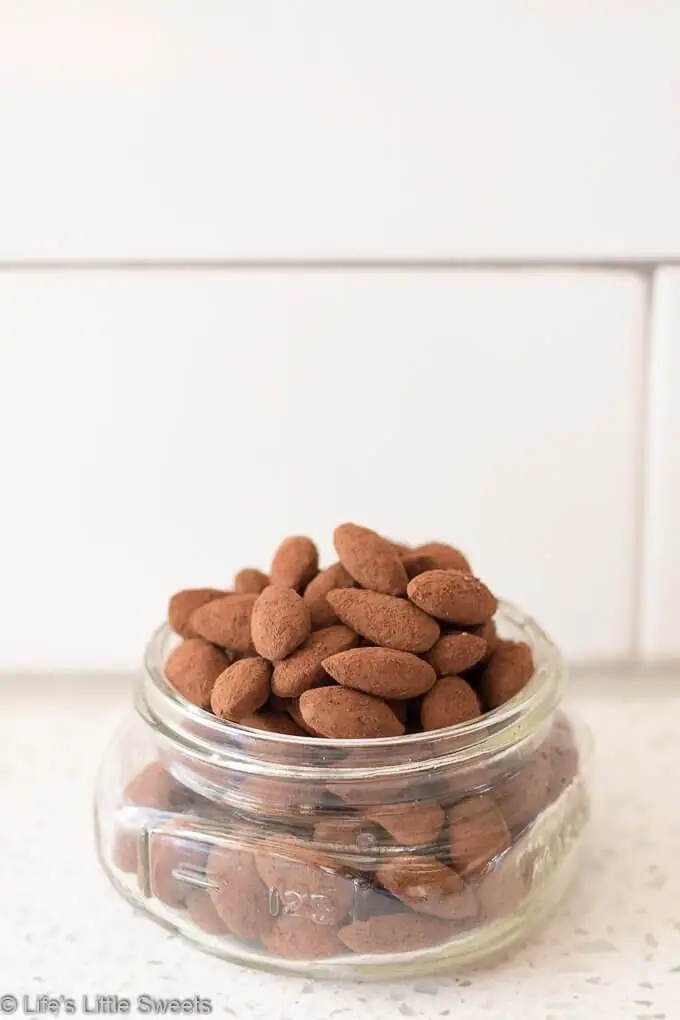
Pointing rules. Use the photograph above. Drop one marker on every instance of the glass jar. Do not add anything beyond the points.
(340, 858)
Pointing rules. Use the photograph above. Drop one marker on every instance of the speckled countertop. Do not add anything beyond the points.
(613, 952)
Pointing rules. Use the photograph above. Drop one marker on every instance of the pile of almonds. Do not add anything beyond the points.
(385, 641)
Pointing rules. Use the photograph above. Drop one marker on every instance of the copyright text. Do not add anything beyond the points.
(99, 1005)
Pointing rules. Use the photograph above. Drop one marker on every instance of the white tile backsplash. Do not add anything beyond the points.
(162, 429)
(171, 129)
(660, 632)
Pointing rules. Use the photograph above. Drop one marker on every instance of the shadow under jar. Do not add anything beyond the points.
(346, 858)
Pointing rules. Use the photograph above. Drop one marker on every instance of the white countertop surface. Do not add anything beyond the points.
(612, 953)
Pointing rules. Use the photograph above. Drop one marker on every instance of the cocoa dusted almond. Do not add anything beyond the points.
(295, 563)
(289, 864)
(478, 833)
(273, 722)
(340, 713)
(394, 933)
(250, 581)
(383, 672)
(385, 620)
(298, 938)
(155, 788)
(454, 653)
(193, 667)
(303, 669)
(450, 702)
(202, 912)
(453, 596)
(241, 689)
(410, 824)
(316, 591)
(370, 559)
(428, 886)
(525, 792)
(238, 894)
(280, 622)
(183, 603)
(226, 621)
(434, 556)
(508, 670)
(489, 633)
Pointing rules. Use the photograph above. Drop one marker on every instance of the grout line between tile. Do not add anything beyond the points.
(639, 266)
(644, 436)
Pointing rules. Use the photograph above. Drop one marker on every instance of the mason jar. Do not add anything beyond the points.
(377, 858)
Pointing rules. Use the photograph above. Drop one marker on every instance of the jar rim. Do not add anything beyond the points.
(219, 742)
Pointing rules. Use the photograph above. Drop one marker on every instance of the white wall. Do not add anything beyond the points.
(167, 416)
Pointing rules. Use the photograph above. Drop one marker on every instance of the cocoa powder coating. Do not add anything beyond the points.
(303, 669)
(385, 620)
(226, 621)
(477, 832)
(341, 713)
(239, 896)
(394, 933)
(455, 653)
(280, 622)
(428, 886)
(434, 556)
(241, 689)
(453, 596)
(320, 611)
(193, 667)
(182, 605)
(508, 670)
(250, 581)
(297, 938)
(370, 559)
(384, 672)
(295, 563)
(410, 824)
(450, 702)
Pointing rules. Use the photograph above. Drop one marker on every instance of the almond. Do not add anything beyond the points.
(478, 833)
(508, 670)
(297, 938)
(226, 621)
(295, 563)
(250, 581)
(385, 620)
(155, 788)
(273, 722)
(394, 933)
(332, 577)
(303, 669)
(241, 689)
(340, 713)
(202, 912)
(410, 824)
(434, 556)
(183, 603)
(324, 893)
(384, 672)
(450, 702)
(524, 793)
(280, 622)
(239, 896)
(453, 596)
(428, 886)
(489, 633)
(370, 559)
(454, 653)
(563, 754)
(193, 667)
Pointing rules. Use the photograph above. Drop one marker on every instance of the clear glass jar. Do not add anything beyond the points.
(378, 858)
